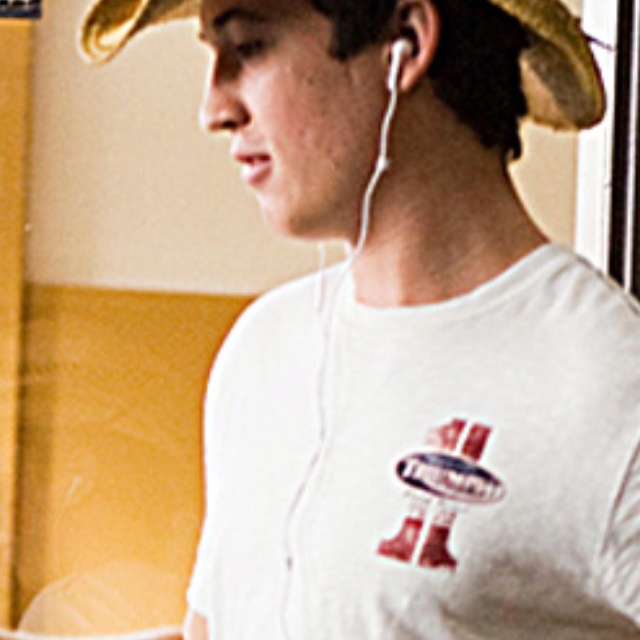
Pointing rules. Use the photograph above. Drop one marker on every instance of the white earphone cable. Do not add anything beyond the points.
(382, 162)
(325, 320)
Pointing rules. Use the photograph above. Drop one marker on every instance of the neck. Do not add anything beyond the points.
(461, 226)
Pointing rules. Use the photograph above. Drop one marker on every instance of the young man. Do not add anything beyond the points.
(444, 447)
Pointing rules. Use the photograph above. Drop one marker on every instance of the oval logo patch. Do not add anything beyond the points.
(450, 477)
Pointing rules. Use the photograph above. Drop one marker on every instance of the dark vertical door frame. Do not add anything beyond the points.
(624, 240)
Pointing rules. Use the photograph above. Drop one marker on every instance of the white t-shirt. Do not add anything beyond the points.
(441, 472)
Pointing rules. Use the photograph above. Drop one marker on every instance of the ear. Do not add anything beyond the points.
(417, 21)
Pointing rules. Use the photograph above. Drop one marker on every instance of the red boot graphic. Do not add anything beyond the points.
(424, 533)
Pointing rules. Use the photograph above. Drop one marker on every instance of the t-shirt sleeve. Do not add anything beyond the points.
(619, 577)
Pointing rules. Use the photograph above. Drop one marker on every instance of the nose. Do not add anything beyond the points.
(221, 109)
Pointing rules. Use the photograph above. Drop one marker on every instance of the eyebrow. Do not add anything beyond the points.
(219, 23)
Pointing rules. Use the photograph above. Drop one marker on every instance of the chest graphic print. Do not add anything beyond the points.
(441, 477)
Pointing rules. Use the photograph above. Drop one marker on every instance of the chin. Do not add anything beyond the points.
(305, 232)
(291, 226)
(304, 224)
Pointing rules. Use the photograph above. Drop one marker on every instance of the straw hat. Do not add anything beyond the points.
(560, 78)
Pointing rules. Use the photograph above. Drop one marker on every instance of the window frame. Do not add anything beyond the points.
(608, 213)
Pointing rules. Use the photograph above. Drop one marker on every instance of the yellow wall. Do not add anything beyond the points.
(14, 129)
(110, 460)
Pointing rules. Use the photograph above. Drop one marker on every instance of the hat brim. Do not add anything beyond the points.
(560, 78)
(110, 24)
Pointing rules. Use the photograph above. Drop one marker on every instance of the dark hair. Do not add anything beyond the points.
(475, 70)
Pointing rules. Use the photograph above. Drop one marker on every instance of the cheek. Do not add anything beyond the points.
(312, 114)
(328, 130)
(317, 120)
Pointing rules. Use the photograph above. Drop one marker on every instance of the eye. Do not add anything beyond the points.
(249, 48)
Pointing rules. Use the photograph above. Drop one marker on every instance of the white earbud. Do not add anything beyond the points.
(400, 50)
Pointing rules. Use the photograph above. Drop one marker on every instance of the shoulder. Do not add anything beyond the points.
(280, 312)
(575, 281)
(591, 305)
(583, 330)
(273, 346)
(282, 321)
(295, 295)
(292, 306)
